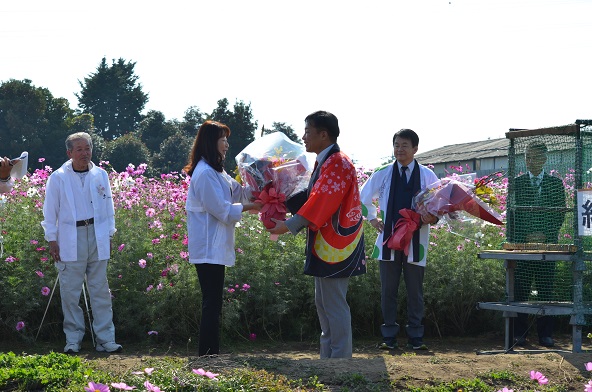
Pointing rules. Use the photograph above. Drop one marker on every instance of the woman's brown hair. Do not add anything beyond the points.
(205, 146)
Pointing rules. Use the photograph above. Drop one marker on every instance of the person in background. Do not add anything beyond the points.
(79, 222)
(215, 203)
(394, 186)
(335, 240)
(6, 182)
(546, 194)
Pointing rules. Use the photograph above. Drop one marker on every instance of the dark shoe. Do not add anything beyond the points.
(521, 341)
(416, 344)
(388, 344)
(72, 348)
(546, 341)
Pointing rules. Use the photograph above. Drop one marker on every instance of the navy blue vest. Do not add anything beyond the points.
(400, 196)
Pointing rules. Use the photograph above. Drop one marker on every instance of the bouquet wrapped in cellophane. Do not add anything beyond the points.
(448, 196)
(277, 169)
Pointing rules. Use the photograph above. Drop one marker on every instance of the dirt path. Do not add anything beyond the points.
(447, 360)
(370, 369)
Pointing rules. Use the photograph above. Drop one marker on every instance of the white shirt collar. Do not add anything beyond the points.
(539, 177)
(409, 166)
(323, 154)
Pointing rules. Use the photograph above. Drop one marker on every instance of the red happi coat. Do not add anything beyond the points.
(335, 240)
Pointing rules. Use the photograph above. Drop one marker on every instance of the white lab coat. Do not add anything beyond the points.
(213, 208)
(59, 211)
(378, 187)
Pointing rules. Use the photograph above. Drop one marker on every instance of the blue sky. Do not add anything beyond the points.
(453, 71)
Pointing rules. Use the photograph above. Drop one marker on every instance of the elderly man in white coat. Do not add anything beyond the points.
(79, 221)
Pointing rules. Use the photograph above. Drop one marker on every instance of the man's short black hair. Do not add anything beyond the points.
(323, 120)
(407, 134)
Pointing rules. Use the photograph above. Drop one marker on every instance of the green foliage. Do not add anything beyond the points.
(60, 372)
(114, 97)
(192, 119)
(125, 150)
(455, 280)
(32, 120)
(173, 153)
(154, 129)
(51, 372)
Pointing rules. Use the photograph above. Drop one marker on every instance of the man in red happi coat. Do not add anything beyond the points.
(332, 215)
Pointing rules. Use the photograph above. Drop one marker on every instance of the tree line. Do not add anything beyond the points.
(110, 105)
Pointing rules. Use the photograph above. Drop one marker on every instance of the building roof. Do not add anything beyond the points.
(465, 151)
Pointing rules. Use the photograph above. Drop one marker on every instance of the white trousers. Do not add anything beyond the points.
(71, 275)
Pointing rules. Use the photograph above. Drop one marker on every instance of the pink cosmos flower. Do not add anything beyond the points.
(538, 376)
(160, 286)
(506, 390)
(152, 332)
(589, 366)
(96, 387)
(39, 274)
(151, 388)
(202, 372)
(142, 263)
(10, 259)
(20, 325)
(231, 290)
(34, 242)
(148, 371)
(245, 287)
(184, 255)
(149, 255)
(45, 291)
(155, 241)
(588, 387)
(120, 248)
(149, 288)
(150, 212)
(252, 337)
(122, 386)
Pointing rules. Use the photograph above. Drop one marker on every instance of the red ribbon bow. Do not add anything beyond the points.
(403, 230)
(273, 205)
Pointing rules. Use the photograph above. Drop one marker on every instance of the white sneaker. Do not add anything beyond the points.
(110, 347)
(72, 348)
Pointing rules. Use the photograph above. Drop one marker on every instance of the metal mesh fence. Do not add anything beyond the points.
(545, 169)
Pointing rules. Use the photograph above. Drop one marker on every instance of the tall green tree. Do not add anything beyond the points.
(154, 129)
(242, 128)
(192, 119)
(33, 120)
(285, 129)
(114, 97)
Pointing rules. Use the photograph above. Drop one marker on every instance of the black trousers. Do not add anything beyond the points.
(211, 281)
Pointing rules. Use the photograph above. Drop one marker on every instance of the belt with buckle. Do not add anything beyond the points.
(85, 222)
